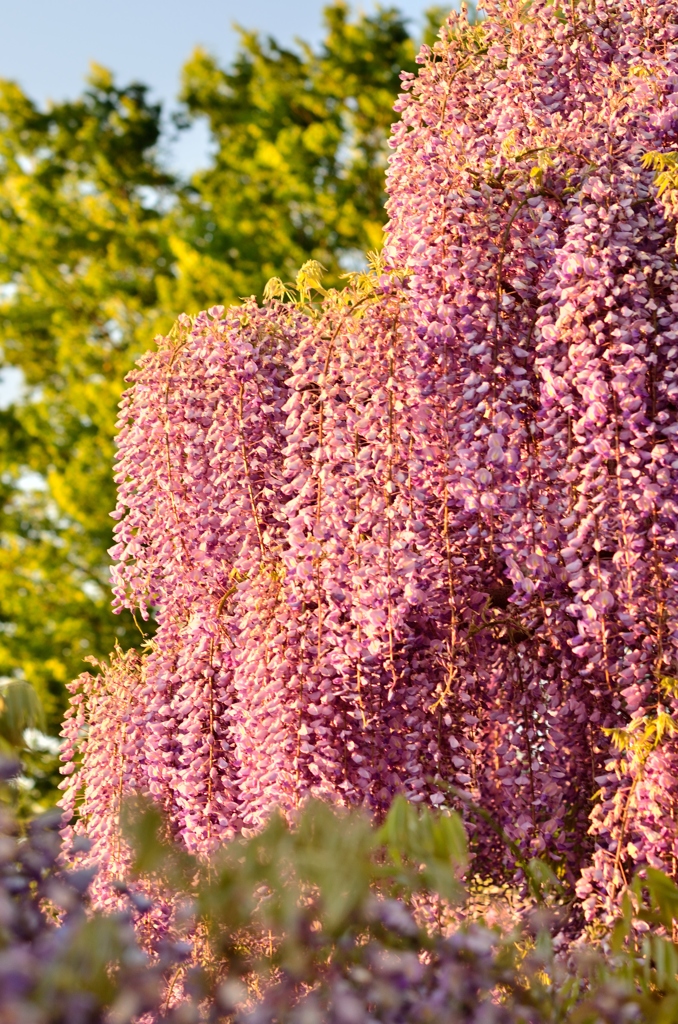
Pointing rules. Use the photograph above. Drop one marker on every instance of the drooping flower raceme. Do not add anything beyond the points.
(421, 537)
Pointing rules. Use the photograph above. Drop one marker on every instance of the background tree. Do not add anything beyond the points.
(100, 247)
(298, 171)
(82, 244)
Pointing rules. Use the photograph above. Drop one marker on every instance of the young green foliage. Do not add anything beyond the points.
(81, 243)
(298, 171)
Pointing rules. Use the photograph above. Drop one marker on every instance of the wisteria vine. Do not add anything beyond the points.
(420, 536)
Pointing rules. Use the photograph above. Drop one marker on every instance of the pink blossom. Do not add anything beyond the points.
(435, 530)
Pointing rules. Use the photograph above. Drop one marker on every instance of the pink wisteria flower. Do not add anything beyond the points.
(423, 540)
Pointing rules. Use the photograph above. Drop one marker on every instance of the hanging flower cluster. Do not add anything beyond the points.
(103, 729)
(421, 536)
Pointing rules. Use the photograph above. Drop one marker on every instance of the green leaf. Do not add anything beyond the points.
(450, 841)
(665, 959)
(395, 832)
(542, 874)
(664, 895)
(20, 709)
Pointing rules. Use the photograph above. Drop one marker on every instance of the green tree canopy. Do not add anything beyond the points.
(300, 139)
(82, 245)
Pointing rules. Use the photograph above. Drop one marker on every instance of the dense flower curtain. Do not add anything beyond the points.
(420, 536)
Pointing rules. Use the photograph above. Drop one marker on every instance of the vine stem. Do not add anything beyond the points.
(243, 451)
(389, 491)
(321, 411)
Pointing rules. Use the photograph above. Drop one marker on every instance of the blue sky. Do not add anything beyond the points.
(46, 45)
